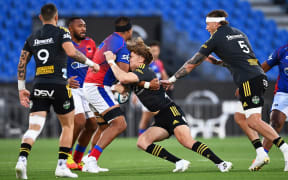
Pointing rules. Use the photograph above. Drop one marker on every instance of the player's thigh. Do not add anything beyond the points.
(153, 134)
(101, 98)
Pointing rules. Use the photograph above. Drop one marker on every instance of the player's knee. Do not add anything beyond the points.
(33, 133)
(239, 118)
(143, 142)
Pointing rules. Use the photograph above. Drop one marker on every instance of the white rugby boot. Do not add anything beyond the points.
(181, 165)
(91, 165)
(21, 168)
(63, 171)
(224, 166)
(262, 158)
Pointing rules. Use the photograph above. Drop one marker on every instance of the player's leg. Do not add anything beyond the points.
(63, 105)
(155, 134)
(252, 97)
(79, 123)
(253, 136)
(278, 115)
(36, 124)
(102, 99)
(145, 120)
(277, 121)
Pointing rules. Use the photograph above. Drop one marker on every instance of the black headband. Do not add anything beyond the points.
(127, 27)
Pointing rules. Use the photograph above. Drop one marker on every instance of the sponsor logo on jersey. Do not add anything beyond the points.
(43, 93)
(45, 70)
(286, 57)
(275, 105)
(286, 71)
(231, 37)
(270, 57)
(38, 42)
(66, 105)
(140, 71)
(66, 36)
(255, 100)
(125, 57)
(77, 65)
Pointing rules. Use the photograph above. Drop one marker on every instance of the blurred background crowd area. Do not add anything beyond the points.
(179, 25)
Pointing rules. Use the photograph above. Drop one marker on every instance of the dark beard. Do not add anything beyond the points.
(79, 38)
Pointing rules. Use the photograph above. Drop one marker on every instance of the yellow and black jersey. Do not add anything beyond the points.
(46, 47)
(233, 47)
(152, 100)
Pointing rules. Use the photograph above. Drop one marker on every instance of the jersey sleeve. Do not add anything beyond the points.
(274, 58)
(160, 65)
(209, 46)
(142, 73)
(123, 55)
(64, 35)
(27, 46)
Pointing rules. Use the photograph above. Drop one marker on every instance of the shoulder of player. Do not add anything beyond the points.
(64, 29)
(141, 68)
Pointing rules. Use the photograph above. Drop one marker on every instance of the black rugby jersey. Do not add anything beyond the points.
(152, 100)
(51, 59)
(233, 47)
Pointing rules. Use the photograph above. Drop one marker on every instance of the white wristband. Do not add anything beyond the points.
(111, 62)
(172, 79)
(89, 62)
(113, 88)
(21, 84)
(146, 85)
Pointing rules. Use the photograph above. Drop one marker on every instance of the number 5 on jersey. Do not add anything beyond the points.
(244, 47)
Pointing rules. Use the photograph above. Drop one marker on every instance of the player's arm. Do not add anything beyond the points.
(265, 66)
(189, 65)
(72, 52)
(23, 92)
(122, 76)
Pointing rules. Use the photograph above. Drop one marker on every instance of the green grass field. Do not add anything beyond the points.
(125, 161)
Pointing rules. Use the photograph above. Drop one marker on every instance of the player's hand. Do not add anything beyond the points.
(154, 84)
(237, 93)
(95, 68)
(109, 55)
(213, 60)
(73, 83)
(120, 88)
(166, 84)
(24, 95)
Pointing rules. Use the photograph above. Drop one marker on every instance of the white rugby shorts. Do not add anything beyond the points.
(101, 98)
(280, 103)
(80, 103)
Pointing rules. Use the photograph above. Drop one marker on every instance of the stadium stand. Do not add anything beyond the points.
(183, 27)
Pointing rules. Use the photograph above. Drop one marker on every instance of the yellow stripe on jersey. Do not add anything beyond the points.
(69, 91)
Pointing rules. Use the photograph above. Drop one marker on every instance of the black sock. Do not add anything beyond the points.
(278, 142)
(25, 149)
(63, 152)
(204, 150)
(256, 143)
(159, 151)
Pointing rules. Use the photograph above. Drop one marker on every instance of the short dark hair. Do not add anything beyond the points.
(219, 13)
(48, 11)
(70, 20)
(154, 43)
(140, 48)
(122, 22)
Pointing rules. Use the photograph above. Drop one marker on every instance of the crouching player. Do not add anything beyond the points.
(169, 118)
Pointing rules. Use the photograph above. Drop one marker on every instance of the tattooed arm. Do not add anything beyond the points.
(189, 65)
(23, 61)
(23, 92)
(78, 56)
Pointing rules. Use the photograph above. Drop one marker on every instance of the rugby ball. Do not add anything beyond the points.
(122, 98)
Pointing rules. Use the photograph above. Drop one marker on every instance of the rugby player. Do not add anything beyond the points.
(157, 66)
(233, 47)
(85, 122)
(169, 118)
(50, 46)
(98, 92)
